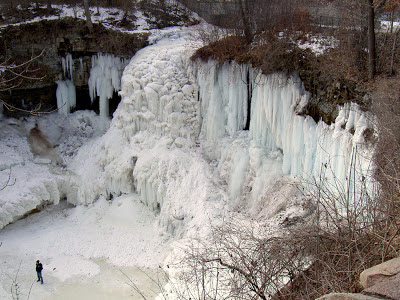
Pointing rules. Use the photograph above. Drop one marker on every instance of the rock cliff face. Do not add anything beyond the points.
(59, 38)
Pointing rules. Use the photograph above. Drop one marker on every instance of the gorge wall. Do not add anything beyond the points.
(59, 38)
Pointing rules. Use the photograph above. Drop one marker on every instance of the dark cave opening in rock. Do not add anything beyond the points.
(25, 101)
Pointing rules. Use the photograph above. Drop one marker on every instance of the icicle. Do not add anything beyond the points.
(70, 65)
(81, 64)
(306, 146)
(67, 63)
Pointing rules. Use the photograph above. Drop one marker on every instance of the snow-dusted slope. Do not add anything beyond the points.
(28, 182)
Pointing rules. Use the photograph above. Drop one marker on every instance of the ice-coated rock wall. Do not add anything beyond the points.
(275, 124)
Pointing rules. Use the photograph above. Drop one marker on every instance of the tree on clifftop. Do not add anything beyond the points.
(88, 16)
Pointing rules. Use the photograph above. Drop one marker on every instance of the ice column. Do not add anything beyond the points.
(66, 96)
(105, 79)
(224, 95)
(66, 92)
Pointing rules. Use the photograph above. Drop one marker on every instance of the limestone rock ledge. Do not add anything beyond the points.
(346, 296)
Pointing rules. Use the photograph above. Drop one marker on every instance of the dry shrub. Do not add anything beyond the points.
(239, 262)
(353, 228)
(386, 108)
(226, 49)
(338, 258)
(161, 13)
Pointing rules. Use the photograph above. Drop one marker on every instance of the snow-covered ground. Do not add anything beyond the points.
(107, 16)
(84, 251)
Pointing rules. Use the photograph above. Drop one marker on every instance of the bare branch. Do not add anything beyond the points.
(7, 184)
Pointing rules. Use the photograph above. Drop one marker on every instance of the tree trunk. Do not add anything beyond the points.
(88, 17)
(393, 52)
(244, 13)
(371, 40)
(49, 4)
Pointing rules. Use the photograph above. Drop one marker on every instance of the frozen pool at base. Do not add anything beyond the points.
(85, 252)
(110, 283)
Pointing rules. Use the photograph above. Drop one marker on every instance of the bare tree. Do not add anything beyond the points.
(14, 74)
(15, 290)
(371, 40)
(387, 159)
(240, 262)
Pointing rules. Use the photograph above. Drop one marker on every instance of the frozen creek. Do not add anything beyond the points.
(184, 149)
(66, 238)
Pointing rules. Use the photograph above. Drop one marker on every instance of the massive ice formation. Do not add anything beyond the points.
(146, 148)
(184, 139)
(192, 137)
(305, 146)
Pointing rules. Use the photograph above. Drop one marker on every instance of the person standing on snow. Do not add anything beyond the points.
(39, 268)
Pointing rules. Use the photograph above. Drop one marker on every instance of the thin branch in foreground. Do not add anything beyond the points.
(7, 184)
(133, 285)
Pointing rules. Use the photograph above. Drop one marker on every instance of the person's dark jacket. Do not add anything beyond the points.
(39, 267)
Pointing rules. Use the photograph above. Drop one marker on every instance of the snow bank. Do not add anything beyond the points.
(25, 185)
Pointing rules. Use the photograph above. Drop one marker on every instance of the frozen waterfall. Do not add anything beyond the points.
(193, 138)
(183, 135)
